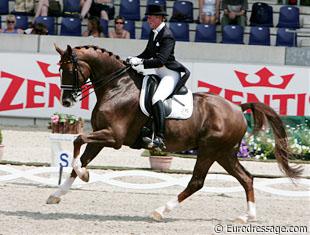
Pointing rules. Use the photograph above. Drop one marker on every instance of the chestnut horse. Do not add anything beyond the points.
(215, 128)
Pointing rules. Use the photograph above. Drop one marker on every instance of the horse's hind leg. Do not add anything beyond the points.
(232, 165)
(91, 151)
(202, 166)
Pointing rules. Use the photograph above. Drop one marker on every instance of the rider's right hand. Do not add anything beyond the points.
(135, 61)
(128, 59)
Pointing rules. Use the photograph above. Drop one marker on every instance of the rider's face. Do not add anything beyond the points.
(154, 21)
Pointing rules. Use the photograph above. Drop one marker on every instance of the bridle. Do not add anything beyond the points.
(77, 90)
(74, 88)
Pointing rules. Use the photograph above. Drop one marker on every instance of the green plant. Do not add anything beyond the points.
(62, 118)
(299, 140)
(1, 137)
(261, 146)
(154, 152)
(72, 119)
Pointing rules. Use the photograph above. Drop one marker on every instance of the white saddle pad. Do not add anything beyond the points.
(181, 106)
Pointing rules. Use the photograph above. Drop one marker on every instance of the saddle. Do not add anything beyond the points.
(177, 106)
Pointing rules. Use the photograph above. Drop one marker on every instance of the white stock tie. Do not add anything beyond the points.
(155, 34)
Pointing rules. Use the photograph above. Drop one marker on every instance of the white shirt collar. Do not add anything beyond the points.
(157, 30)
(160, 27)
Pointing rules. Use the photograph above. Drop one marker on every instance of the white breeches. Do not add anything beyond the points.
(169, 79)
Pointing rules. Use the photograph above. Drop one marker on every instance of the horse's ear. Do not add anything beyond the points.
(60, 51)
(69, 49)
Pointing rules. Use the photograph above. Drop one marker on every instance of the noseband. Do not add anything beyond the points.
(75, 89)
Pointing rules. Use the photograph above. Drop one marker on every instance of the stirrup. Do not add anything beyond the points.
(157, 143)
(149, 140)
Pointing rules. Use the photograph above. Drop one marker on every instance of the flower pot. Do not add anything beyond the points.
(62, 127)
(66, 124)
(75, 128)
(66, 128)
(1, 151)
(55, 128)
(160, 162)
(79, 126)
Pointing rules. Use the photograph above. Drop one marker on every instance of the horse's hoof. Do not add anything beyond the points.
(243, 219)
(156, 216)
(85, 176)
(53, 200)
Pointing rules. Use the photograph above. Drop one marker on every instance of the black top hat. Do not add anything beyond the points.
(155, 9)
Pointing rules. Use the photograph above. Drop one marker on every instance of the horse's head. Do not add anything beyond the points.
(73, 73)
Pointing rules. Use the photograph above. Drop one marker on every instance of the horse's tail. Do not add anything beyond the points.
(262, 113)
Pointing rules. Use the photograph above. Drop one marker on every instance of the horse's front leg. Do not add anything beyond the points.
(91, 151)
(105, 137)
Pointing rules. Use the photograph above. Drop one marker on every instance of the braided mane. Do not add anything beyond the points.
(98, 49)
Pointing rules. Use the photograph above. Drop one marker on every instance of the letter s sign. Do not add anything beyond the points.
(64, 159)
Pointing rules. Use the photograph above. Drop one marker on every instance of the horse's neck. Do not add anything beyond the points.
(120, 96)
(130, 81)
(102, 69)
(102, 66)
(136, 78)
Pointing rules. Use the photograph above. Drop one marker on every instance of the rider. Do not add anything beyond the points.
(159, 54)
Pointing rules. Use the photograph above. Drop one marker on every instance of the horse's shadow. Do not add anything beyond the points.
(74, 216)
(88, 217)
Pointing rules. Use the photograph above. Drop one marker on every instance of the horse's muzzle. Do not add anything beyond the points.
(67, 98)
(67, 102)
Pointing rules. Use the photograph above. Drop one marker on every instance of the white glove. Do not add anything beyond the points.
(135, 61)
(128, 59)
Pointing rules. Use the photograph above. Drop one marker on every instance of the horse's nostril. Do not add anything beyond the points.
(66, 103)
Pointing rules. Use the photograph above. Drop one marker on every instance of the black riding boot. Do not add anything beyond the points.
(158, 111)
(159, 120)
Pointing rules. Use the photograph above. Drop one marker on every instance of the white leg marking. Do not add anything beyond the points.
(64, 188)
(76, 164)
(250, 215)
(158, 214)
(252, 210)
(54, 198)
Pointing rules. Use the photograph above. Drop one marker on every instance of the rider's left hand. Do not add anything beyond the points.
(135, 61)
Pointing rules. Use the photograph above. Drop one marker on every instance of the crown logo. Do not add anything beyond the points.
(264, 74)
(44, 68)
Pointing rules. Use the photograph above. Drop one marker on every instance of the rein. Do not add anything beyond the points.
(78, 91)
(107, 80)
